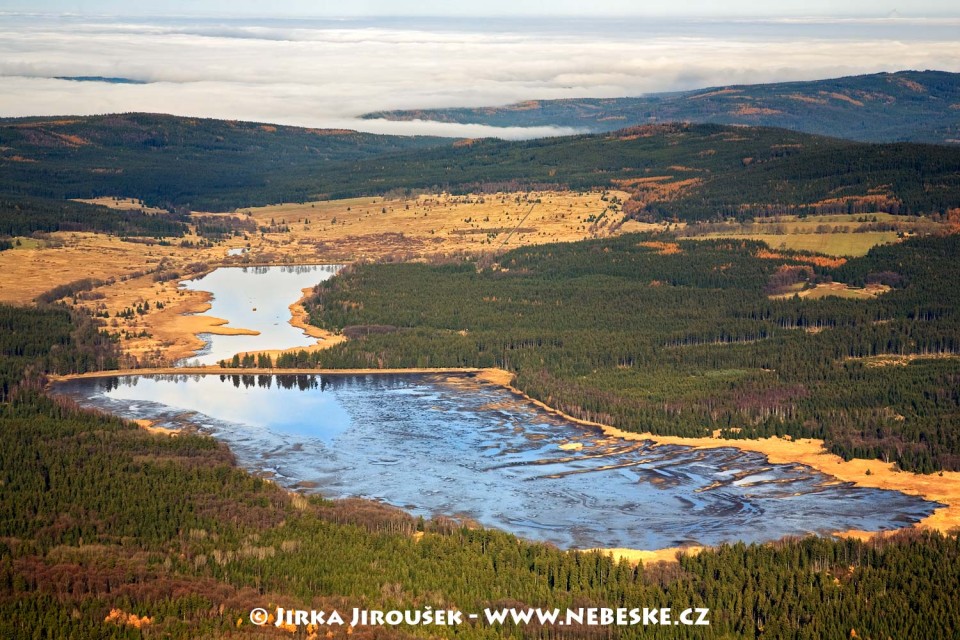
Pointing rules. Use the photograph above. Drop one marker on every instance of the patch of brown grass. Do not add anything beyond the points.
(711, 94)
(842, 96)
(636, 182)
(898, 360)
(655, 189)
(910, 84)
(636, 556)
(122, 204)
(44, 123)
(331, 132)
(880, 200)
(837, 290)
(663, 248)
(748, 110)
(808, 99)
(76, 141)
(820, 261)
(26, 274)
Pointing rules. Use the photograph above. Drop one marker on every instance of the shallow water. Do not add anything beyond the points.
(455, 446)
(255, 298)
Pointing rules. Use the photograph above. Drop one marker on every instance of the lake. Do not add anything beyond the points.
(456, 446)
(258, 299)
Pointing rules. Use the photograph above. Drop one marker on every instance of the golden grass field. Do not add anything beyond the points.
(831, 235)
(832, 244)
(372, 228)
(124, 204)
(337, 231)
(357, 229)
(837, 290)
(31, 269)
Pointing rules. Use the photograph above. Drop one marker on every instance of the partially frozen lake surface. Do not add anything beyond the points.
(451, 445)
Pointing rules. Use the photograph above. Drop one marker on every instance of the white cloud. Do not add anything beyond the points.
(325, 73)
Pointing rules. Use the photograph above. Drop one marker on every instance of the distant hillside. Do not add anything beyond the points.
(675, 171)
(169, 161)
(918, 106)
(690, 171)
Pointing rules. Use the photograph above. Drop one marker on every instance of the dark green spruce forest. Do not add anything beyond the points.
(682, 344)
(108, 531)
(24, 216)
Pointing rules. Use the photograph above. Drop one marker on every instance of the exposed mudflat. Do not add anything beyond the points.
(453, 446)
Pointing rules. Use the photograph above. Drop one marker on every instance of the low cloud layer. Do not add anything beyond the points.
(326, 73)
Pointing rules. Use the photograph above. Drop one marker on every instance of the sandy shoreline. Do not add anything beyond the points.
(186, 319)
(193, 322)
(943, 488)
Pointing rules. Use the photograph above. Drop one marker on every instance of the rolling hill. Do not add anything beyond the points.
(673, 171)
(917, 106)
(175, 162)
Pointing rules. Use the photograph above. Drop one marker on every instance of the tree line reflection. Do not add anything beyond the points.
(287, 381)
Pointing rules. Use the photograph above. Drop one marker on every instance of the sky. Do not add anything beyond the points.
(595, 8)
(216, 59)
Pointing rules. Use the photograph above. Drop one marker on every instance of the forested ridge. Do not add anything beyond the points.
(107, 531)
(23, 216)
(881, 107)
(682, 342)
(51, 339)
(674, 171)
(689, 172)
(178, 163)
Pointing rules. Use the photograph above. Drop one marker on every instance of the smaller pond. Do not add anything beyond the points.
(258, 299)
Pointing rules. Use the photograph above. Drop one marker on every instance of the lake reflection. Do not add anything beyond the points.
(454, 446)
(255, 298)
